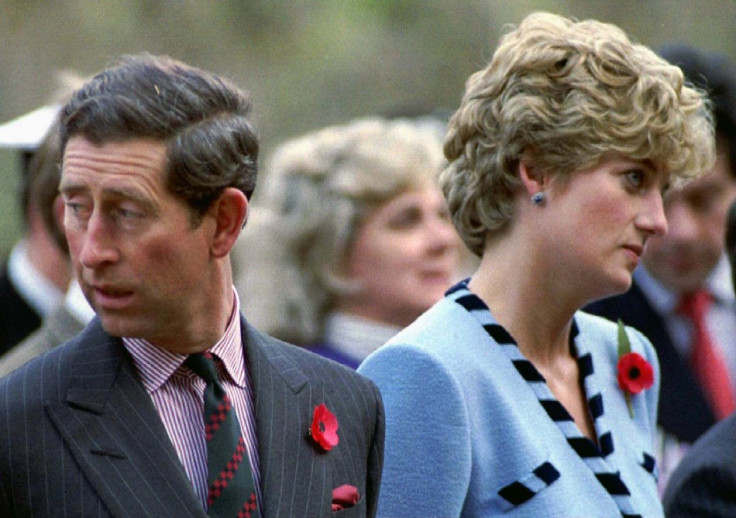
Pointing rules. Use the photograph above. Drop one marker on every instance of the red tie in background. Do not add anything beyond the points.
(705, 358)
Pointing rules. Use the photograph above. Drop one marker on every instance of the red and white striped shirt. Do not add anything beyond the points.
(178, 395)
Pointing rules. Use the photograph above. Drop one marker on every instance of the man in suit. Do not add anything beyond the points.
(158, 165)
(36, 274)
(704, 483)
(688, 259)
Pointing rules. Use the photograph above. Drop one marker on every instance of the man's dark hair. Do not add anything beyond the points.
(202, 118)
(716, 74)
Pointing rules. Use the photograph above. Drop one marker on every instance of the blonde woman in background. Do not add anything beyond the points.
(352, 239)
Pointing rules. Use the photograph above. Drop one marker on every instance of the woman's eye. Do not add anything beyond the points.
(406, 220)
(635, 177)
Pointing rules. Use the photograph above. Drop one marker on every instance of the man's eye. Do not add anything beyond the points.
(74, 208)
(128, 214)
(701, 201)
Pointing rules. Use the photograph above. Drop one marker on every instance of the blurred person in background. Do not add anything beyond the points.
(74, 312)
(352, 239)
(704, 483)
(37, 271)
(682, 297)
(504, 399)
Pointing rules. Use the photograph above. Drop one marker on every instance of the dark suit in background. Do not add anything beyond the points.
(17, 318)
(704, 483)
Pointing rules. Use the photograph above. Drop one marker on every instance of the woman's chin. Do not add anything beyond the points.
(617, 287)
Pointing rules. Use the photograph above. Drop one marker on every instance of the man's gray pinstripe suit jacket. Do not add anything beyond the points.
(80, 437)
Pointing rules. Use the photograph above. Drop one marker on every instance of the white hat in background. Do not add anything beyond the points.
(26, 132)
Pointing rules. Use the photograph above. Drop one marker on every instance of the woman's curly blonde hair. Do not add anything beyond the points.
(565, 93)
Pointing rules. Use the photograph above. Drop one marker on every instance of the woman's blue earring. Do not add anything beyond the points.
(537, 198)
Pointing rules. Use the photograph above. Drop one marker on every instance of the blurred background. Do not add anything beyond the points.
(305, 63)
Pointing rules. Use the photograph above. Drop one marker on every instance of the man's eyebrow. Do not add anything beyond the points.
(70, 187)
(126, 193)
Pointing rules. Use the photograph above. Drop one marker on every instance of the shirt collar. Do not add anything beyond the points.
(355, 336)
(156, 365)
(38, 292)
(663, 300)
(76, 303)
(720, 283)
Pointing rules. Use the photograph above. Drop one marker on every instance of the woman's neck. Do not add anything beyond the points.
(527, 300)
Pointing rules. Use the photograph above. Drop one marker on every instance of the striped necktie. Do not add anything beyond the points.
(231, 488)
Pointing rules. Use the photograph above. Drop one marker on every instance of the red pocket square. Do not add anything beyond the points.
(344, 496)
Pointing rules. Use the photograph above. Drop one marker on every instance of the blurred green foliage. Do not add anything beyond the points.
(306, 63)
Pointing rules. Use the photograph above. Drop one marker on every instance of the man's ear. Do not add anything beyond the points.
(229, 211)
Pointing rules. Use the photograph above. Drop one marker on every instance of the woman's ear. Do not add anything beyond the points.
(229, 212)
(534, 180)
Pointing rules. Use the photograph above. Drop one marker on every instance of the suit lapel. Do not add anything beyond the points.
(111, 427)
(295, 477)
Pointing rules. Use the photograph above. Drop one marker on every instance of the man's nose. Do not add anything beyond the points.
(681, 222)
(98, 246)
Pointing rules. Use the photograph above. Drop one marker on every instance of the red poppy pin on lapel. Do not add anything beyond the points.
(324, 428)
(634, 372)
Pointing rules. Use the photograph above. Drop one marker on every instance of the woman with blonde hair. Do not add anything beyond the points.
(351, 239)
(505, 398)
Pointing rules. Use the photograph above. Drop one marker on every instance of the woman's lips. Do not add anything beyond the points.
(634, 252)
